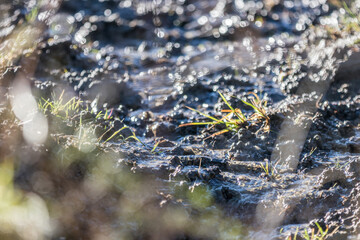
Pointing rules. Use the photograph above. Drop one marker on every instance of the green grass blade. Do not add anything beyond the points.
(48, 103)
(227, 103)
(101, 137)
(306, 235)
(249, 104)
(201, 113)
(115, 133)
(197, 123)
(252, 106)
(69, 102)
(155, 146)
(320, 228)
(256, 109)
(98, 115)
(136, 138)
(296, 233)
(348, 10)
(106, 113)
(241, 117)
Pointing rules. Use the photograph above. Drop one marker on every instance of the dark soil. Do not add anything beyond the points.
(143, 63)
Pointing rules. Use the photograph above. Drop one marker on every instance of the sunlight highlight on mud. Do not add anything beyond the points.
(24, 106)
(35, 131)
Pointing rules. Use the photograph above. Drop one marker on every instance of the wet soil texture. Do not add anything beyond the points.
(145, 62)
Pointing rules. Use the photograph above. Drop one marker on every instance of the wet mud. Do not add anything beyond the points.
(146, 63)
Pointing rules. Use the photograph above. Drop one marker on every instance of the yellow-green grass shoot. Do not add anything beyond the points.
(234, 124)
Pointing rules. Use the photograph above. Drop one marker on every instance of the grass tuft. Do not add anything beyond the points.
(235, 118)
(259, 106)
(73, 110)
(269, 170)
(320, 234)
(58, 107)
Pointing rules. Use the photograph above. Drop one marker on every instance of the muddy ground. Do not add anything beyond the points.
(141, 64)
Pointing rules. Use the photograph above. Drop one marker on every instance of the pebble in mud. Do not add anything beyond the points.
(161, 142)
(346, 129)
(163, 129)
(178, 150)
